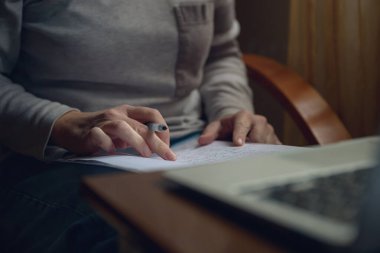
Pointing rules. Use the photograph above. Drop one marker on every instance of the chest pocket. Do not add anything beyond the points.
(195, 27)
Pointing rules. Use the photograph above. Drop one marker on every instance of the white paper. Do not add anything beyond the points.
(188, 154)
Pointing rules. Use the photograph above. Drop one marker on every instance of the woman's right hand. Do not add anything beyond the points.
(86, 133)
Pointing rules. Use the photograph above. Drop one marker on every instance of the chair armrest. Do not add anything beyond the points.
(312, 114)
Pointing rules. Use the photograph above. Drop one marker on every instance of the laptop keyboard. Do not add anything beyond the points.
(336, 196)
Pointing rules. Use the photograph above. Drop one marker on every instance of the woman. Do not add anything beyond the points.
(85, 76)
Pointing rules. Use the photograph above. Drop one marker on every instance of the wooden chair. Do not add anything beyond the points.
(311, 113)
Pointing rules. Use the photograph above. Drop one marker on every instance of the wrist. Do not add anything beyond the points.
(60, 124)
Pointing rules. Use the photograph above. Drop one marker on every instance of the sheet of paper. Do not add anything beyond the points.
(188, 154)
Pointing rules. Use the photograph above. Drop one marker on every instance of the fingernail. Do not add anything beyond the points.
(170, 156)
(240, 141)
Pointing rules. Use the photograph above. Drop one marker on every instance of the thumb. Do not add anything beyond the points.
(210, 133)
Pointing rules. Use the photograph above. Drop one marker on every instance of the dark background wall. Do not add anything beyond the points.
(264, 27)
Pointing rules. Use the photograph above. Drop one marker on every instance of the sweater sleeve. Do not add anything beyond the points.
(225, 88)
(25, 120)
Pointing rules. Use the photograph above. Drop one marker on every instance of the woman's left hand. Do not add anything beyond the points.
(241, 127)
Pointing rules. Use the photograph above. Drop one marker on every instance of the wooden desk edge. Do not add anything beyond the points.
(216, 235)
(128, 232)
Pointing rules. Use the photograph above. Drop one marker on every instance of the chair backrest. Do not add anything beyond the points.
(313, 115)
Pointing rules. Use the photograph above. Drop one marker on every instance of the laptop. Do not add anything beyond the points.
(326, 195)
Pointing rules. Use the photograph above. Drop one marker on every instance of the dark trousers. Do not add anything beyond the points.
(41, 209)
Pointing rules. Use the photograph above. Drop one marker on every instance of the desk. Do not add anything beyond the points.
(163, 221)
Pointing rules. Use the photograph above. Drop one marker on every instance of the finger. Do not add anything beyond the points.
(257, 135)
(145, 114)
(119, 129)
(120, 144)
(242, 126)
(96, 140)
(272, 138)
(260, 130)
(159, 147)
(264, 134)
(276, 141)
(210, 133)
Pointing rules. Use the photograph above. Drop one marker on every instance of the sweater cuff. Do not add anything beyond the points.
(44, 130)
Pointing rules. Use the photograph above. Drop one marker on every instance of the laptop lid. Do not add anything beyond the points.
(369, 225)
(239, 183)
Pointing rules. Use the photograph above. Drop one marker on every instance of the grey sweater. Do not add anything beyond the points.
(178, 56)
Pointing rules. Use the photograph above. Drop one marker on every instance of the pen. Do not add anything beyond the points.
(156, 127)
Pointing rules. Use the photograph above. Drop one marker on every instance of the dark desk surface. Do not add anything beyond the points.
(172, 223)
